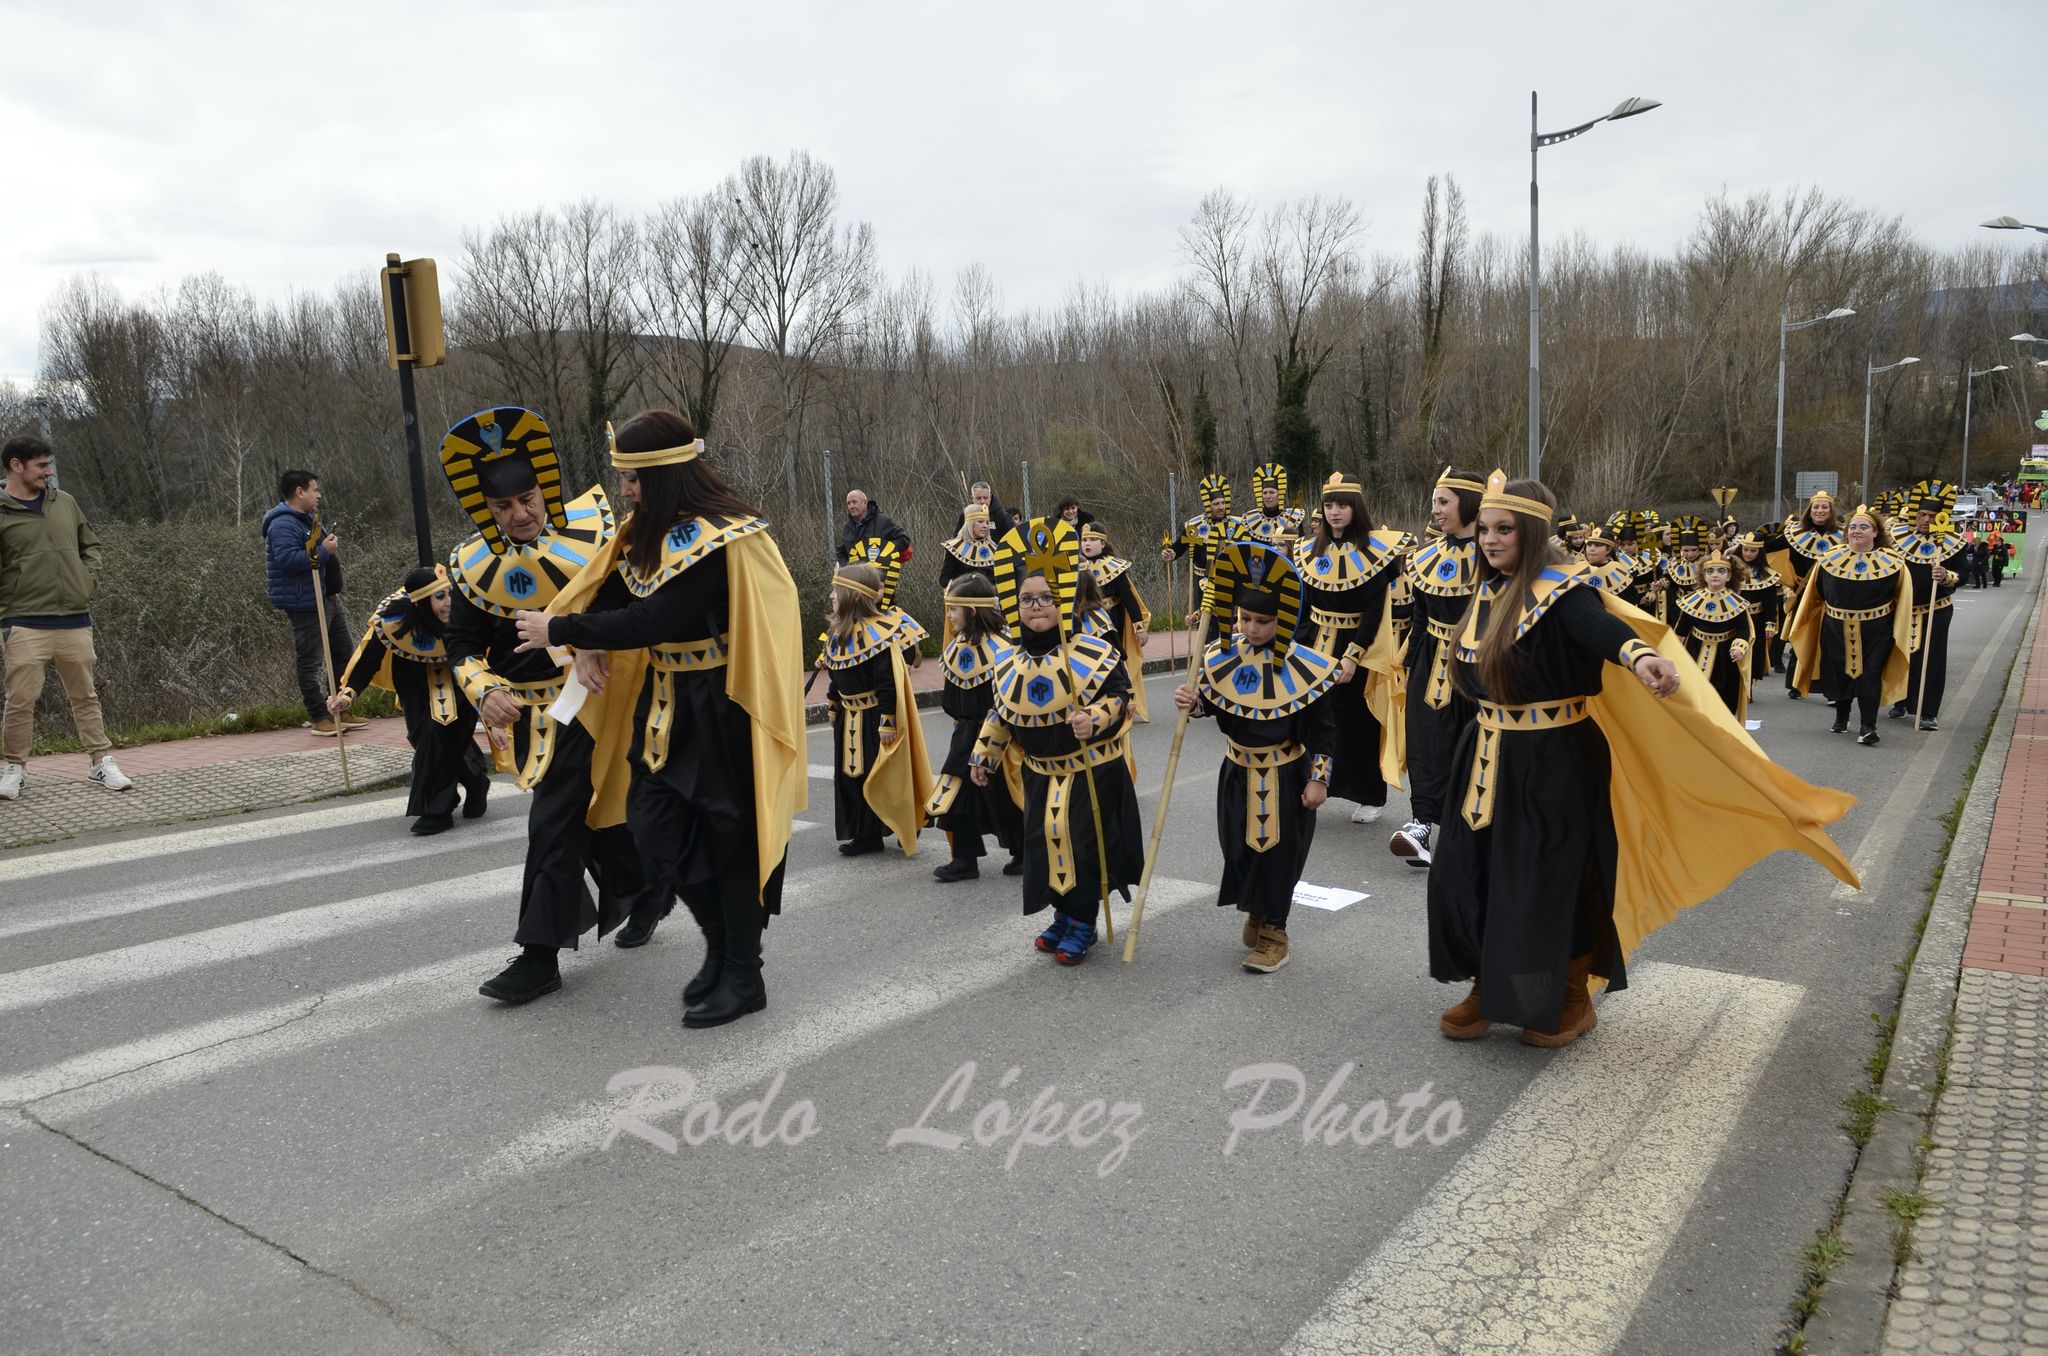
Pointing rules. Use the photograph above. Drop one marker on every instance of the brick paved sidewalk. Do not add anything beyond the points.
(229, 774)
(1977, 1280)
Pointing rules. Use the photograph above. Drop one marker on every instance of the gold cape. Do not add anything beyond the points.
(1696, 801)
(1134, 660)
(763, 674)
(441, 687)
(1386, 695)
(1804, 636)
(900, 783)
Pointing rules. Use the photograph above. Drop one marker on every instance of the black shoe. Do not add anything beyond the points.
(1868, 736)
(475, 797)
(525, 979)
(738, 992)
(1897, 712)
(1795, 694)
(638, 931)
(860, 847)
(1930, 724)
(1839, 727)
(1014, 867)
(959, 869)
(426, 826)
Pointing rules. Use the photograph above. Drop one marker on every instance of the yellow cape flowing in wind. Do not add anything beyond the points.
(1386, 695)
(899, 785)
(1696, 801)
(763, 675)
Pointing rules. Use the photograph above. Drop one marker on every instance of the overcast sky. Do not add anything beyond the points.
(288, 144)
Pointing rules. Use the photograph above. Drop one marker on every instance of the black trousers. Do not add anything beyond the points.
(1866, 708)
(555, 907)
(311, 662)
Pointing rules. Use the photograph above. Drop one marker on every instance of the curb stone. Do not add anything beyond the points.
(1858, 1296)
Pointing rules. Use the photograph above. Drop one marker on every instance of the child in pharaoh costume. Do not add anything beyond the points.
(979, 647)
(1763, 593)
(881, 779)
(501, 464)
(1200, 538)
(1347, 572)
(1718, 631)
(1065, 700)
(405, 651)
(1271, 699)
(1128, 615)
(1553, 866)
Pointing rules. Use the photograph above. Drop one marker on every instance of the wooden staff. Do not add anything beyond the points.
(1926, 639)
(327, 649)
(1180, 730)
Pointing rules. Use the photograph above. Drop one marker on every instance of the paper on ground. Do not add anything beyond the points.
(1326, 897)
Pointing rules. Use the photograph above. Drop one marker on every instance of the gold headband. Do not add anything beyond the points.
(1496, 496)
(955, 600)
(426, 591)
(1450, 481)
(1093, 533)
(1337, 484)
(1818, 495)
(1863, 511)
(665, 456)
(973, 511)
(855, 587)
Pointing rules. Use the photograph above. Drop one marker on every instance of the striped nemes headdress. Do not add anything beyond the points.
(1253, 575)
(1270, 476)
(498, 453)
(1215, 487)
(1047, 546)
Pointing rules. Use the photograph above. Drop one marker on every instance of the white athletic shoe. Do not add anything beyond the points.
(13, 777)
(1411, 843)
(1366, 814)
(108, 774)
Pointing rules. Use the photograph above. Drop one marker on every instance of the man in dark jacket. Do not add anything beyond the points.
(289, 576)
(49, 568)
(865, 520)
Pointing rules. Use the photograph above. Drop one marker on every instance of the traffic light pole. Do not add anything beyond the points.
(415, 464)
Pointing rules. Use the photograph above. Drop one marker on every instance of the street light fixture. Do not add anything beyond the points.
(1968, 386)
(2012, 224)
(1870, 372)
(1785, 326)
(1627, 108)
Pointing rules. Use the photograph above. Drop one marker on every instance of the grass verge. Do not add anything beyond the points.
(284, 716)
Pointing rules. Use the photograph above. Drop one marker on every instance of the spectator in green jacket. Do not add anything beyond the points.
(49, 566)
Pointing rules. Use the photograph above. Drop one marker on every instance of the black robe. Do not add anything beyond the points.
(1512, 902)
(966, 811)
(1842, 587)
(1763, 593)
(1442, 575)
(1924, 555)
(444, 755)
(1349, 583)
(1710, 624)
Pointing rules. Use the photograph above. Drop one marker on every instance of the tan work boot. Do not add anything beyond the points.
(322, 727)
(1578, 1017)
(1251, 929)
(1270, 952)
(1463, 1022)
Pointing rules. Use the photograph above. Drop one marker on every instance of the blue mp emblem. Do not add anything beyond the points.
(1322, 564)
(682, 534)
(966, 660)
(520, 583)
(1038, 691)
(1245, 680)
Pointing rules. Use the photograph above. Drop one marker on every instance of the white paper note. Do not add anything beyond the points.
(1326, 897)
(570, 702)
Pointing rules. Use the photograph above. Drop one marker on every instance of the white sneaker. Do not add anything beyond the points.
(1366, 814)
(1411, 843)
(13, 777)
(108, 774)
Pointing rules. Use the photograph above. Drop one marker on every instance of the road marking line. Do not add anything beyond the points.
(1546, 1235)
(1875, 853)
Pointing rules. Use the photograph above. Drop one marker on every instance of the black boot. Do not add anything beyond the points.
(711, 923)
(740, 989)
(1014, 867)
(532, 973)
(860, 847)
(640, 924)
(426, 826)
(475, 796)
(959, 869)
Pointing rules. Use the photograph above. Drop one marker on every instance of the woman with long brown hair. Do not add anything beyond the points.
(1346, 569)
(687, 633)
(1442, 576)
(1545, 875)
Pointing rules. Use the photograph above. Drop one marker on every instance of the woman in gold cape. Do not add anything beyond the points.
(1853, 630)
(686, 630)
(1583, 811)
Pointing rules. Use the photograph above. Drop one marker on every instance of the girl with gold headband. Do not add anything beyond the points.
(1852, 634)
(686, 632)
(978, 648)
(1128, 615)
(1347, 571)
(1718, 631)
(1763, 594)
(1441, 577)
(881, 780)
(1794, 549)
(1064, 699)
(1553, 867)
(405, 651)
(1271, 698)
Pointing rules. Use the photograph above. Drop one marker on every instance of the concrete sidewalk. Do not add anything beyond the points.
(1946, 1220)
(189, 779)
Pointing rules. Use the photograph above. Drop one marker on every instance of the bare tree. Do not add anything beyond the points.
(690, 296)
(1216, 245)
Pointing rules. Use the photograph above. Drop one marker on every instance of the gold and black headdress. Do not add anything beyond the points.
(1253, 575)
(1692, 529)
(1269, 476)
(885, 557)
(1215, 486)
(498, 453)
(1047, 546)
(1933, 496)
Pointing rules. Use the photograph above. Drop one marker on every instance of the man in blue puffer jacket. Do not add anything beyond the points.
(289, 576)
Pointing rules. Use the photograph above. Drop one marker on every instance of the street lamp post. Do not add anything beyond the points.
(1969, 385)
(1870, 372)
(1627, 108)
(1785, 327)
(2012, 224)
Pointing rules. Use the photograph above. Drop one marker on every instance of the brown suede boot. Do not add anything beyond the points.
(1251, 929)
(1578, 1017)
(1463, 1022)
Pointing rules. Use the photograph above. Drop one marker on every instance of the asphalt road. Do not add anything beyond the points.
(250, 1100)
